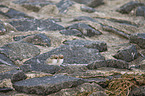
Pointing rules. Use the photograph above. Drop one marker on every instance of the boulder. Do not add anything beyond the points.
(72, 32)
(82, 90)
(33, 5)
(86, 29)
(84, 18)
(12, 13)
(2, 28)
(73, 54)
(35, 25)
(46, 85)
(8, 74)
(139, 39)
(87, 9)
(25, 68)
(140, 11)
(90, 3)
(37, 39)
(19, 51)
(108, 63)
(128, 54)
(63, 5)
(18, 76)
(6, 61)
(128, 7)
(101, 46)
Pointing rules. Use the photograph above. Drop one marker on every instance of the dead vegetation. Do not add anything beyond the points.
(123, 85)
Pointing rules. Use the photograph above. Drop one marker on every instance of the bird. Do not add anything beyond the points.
(55, 60)
(60, 59)
(52, 60)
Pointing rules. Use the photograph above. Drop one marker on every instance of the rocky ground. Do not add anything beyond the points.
(102, 43)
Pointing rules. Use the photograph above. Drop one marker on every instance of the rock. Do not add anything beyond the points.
(8, 74)
(25, 68)
(140, 11)
(19, 51)
(139, 39)
(5, 89)
(90, 3)
(46, 85)
(12, 13)
(101, 46)
(36, 24)
(128, 7)
(52, 69)
(86, 29)
(99, 93)
(70, 69)
(138, 91)
(63, 5)
(81, 90)
(18, 76)
(72, 55)
(84, 18)
(128, 54)
(87, 9)
(5, 60)
(38, 39)
(49, 10)
(142, 65)
(2, 28)
(71, 32)
(108, 63)
(32, 4)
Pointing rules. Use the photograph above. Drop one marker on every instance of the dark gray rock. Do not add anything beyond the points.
(35, 24)
(52, 69)
(18, 76)
(5, 89)
(8, 74)
(87, 9)
(25, 68)
(140, 11)
(139, 39)
(73, 32)
(86, 29)
(38, 39)
(70, 69)
(84, 18)
(63, 5)
(73, 54)
(14, 14)
(81, 90)
(5, 60)
(2, 28)
(101, 46)
(108, 63)
(19, 51)
(128, 7)
(99, 93)
(90, 3)
(17, 38)
(34, 5)
(47, 85)
(128, 54)
(138, 91)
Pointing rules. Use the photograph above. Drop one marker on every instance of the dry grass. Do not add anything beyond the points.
(123, 85)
